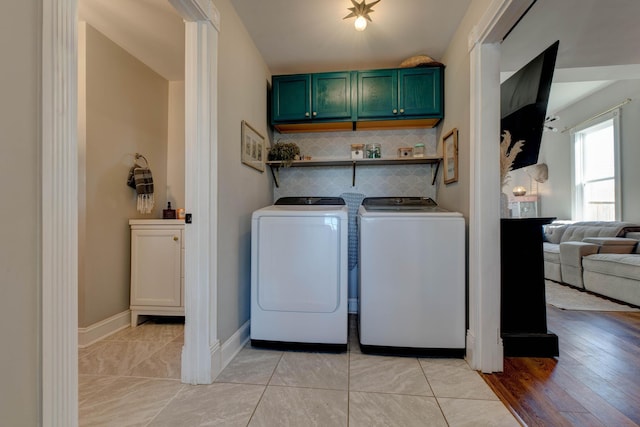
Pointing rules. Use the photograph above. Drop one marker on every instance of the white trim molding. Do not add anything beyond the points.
(222, 355)
(500, 17)
(59, 213)
(103, 329)
(197, 10)
(234, 344)
(484, 345)
(200, 355)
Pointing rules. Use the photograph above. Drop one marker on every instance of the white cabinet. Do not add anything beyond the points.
(157, 268)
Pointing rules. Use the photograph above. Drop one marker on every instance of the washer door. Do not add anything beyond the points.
(298, 265)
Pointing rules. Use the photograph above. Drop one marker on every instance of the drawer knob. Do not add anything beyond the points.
(176, 238)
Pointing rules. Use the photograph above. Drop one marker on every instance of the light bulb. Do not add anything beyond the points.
(519, 191)
(361, 23)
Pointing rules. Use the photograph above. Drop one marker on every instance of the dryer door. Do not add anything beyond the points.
(298, 265)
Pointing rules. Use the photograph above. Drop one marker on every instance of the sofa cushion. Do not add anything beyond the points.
(634, 235)
(627, 266)
(553, 232)
(578, 231)
(612, 245)
(551, 252)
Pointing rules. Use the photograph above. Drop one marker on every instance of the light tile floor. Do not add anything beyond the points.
(132, 379)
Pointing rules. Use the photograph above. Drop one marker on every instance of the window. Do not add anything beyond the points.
(596, 186)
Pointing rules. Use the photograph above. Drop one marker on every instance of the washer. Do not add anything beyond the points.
(299, 276)
(412, 277)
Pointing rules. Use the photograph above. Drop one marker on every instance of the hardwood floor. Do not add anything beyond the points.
(594, 382)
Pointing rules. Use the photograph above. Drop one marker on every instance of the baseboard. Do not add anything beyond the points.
(216, 361)
(353, 305)
(471, 345)
(221, 356)
(104, 328)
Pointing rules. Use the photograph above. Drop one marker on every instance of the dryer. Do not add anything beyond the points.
(299, 274)
(412, 277)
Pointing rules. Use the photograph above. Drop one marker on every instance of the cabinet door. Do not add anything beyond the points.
(156, 266)
(378, 94)
(420, 91)
(331, 95)
(291, 98)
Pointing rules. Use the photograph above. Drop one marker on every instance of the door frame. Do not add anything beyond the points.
(59, 205)
(201, 354)
(484, 343)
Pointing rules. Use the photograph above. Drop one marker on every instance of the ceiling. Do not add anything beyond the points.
(150, 30)
(302, 36)
(598, 39)
(598, 45)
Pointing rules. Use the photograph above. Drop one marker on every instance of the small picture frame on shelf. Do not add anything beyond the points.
(253, 147)
(450, 156)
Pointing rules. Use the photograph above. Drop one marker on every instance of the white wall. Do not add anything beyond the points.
(126, 113)
(556, 151)
(20, 217)
(242, 85)
(457, 89)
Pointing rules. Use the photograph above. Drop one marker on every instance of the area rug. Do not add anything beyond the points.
(567, 298)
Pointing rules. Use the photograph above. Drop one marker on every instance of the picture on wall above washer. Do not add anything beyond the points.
(450, 156)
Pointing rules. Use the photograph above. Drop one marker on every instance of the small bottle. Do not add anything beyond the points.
(168, 213)
(418, 150)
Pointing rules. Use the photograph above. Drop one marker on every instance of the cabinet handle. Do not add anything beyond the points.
(176, 238)
(395, 111)
(315, 114)
(306, 114)
(402, 111)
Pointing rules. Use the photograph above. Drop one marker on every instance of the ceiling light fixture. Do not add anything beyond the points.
(361, 12)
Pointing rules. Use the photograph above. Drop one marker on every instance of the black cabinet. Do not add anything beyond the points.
(523, 315)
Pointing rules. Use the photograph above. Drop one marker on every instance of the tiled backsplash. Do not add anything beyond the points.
(394, 180)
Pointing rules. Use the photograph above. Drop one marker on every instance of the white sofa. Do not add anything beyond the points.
(614, 275)
(599, 256)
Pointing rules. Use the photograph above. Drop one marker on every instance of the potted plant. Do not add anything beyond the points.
(285, 152)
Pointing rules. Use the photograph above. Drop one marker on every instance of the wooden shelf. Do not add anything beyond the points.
(347, 162)
(276, 164)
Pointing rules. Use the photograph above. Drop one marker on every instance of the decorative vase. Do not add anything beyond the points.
(504, 205)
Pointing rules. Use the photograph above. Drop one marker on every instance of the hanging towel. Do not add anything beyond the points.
(131, 179)
(353, 201)
(141, 179)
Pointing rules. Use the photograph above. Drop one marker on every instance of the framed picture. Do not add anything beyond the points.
(450, 155)
(253, 147)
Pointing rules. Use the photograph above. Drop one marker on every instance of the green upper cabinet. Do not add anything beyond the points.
(358, 100)
(307, 97)
(377, 93)
(331, 95)
(421, 92)
(398, 94)
(291, 98)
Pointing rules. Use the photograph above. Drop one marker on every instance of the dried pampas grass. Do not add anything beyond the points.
(507, 156)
